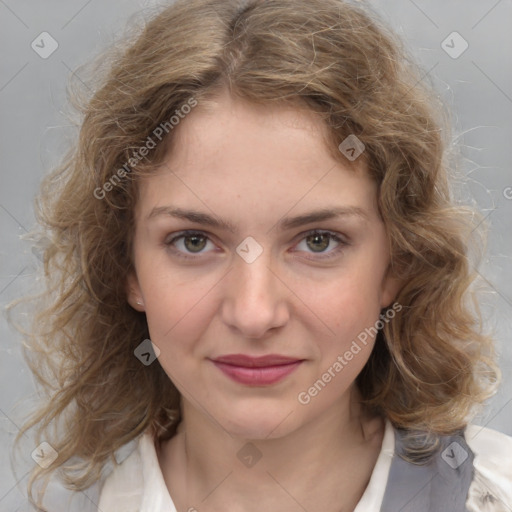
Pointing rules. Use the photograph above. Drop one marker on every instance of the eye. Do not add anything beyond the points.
(188, 242)
(318, 241)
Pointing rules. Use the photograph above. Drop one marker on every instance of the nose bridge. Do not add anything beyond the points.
(254, 298)
(254, 279)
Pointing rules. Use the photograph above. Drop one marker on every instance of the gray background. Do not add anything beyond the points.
(35, 129)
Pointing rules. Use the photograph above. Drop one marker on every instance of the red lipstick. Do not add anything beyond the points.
(256, 371)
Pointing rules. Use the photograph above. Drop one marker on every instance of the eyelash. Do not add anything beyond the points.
(333, 236)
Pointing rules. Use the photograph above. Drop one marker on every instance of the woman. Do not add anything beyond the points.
(259, 277)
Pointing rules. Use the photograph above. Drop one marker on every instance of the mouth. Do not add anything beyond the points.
(256, 371)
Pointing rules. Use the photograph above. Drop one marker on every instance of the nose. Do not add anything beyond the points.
(254, 297)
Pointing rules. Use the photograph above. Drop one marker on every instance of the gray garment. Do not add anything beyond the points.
(440, 485)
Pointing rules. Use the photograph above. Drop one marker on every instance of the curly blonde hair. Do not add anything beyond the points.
(430, 366)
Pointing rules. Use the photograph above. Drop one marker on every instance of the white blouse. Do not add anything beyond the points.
(137, 484)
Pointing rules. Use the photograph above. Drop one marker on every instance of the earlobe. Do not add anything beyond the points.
(133, 292)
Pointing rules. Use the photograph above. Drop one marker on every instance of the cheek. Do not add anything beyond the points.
(174, 306)
(176, 328)
(351, 308)
(353, 301)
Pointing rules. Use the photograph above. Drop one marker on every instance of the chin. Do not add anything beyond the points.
(258, 424)
(254, 432)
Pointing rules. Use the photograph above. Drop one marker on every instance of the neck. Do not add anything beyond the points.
(322, 464)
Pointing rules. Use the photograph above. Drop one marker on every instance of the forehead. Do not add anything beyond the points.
(223, 122)
(230, 152)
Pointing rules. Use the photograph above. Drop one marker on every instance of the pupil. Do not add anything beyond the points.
(316, 239)
(194, 247)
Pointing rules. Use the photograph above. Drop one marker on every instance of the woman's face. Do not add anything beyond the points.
(249, 278)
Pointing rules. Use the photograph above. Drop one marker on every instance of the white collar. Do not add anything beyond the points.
(371, 500)
(138, 484)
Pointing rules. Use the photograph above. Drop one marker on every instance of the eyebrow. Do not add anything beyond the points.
(284, 224)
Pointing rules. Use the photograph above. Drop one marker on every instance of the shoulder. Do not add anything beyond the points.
(122, 489)
(137, 483)
(471, 471)
(491, 488)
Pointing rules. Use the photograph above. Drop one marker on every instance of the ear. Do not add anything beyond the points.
(391, 285)
(134, 293)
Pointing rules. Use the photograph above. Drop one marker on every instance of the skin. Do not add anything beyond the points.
(253, 166)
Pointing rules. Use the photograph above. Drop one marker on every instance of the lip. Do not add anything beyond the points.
(256, 371)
